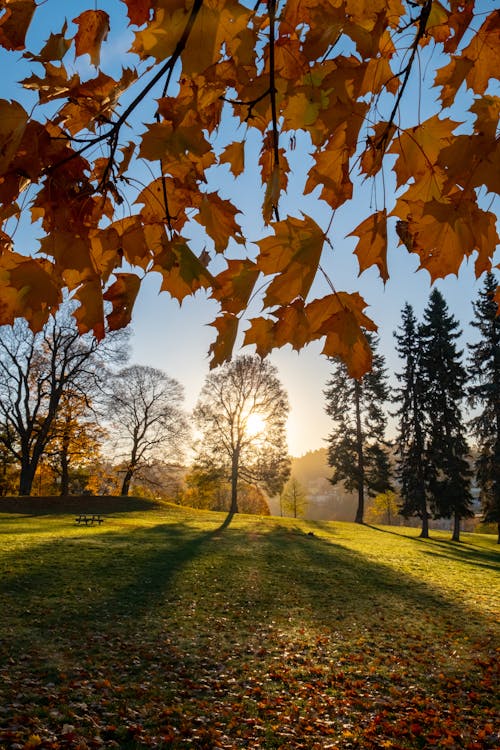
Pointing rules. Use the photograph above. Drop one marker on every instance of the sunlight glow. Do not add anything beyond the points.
(255, 424)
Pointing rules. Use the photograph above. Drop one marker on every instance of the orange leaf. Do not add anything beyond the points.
(14, 23)
(218, 218)
(222, 348)
(347, 341)
(139, 11)
(234, 155)
(372, 246)
(13, 120)
(93, 27)
(27, 290)
(233, 287)
(90, 314)
(261, 334)
(122, 295)
(294, 254)
(182, 272)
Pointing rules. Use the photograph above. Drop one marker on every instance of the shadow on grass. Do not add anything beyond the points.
(460, 551)
(225, 580)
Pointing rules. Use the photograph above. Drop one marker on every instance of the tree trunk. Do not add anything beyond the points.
(64, 473)
(360, 512)
(424, 533)
(456, 528)
(498, 527)
(26, 477)
(234, 481)
(126, 481)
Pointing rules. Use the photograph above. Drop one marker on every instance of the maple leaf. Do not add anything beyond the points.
(233, 287)
(222, 348)
(182, 272)
(293, 253)
(54, 48)
(14, 22)
(13, 121)
(372, 246)
(90, 313)
(218, 217)
(139, 11)
(122, 295)
(28, 290)
(234, 155)
(93, 27)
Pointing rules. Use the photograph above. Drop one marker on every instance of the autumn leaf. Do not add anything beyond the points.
(222, 348)
(139, 11)
(293, 253)
(90, 313)
(122, 294)
(14, 23)
(13, 121)
(27, 289)
(372, 246)
(233, 287)
(218, 217)
(93, 27)
(182, 272)
(234, 155)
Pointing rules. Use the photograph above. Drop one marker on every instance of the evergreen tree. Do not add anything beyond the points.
(444, 378)
(356, 447)
(410, 439)
(485, 393)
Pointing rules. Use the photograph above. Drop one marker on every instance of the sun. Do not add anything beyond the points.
(255, 424)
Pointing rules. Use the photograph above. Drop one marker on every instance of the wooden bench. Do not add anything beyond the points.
(89, 519)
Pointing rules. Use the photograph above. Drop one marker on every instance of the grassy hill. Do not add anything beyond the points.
(163, 629)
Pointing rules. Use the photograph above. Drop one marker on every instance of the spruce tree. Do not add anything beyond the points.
(410, 440)
(444, 378)
(356, 447)
(484, 393)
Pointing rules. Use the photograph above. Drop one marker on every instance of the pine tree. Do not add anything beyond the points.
(356, 447)
(444, 378)
(485, 393)
(410, 439)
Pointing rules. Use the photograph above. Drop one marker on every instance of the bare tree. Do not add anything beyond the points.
(241, 413)
(36, 371)
(143, 405)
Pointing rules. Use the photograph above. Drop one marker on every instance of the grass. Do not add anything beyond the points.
(161, 629)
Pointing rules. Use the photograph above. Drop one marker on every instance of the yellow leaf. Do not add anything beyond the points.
(372, 246)
(90, 314)
(27, 289)
(182, 272)
(347, 341)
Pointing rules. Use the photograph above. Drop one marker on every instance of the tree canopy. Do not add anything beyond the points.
(116, 169)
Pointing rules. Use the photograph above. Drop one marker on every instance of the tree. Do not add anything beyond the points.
(412, 421)
(293, 499)
(241, 414)
(356, 447)
(444, 378)
(327, 78)
(384, 508)
(36, 371)
(144, 407)
(484, 392)
(74, 441)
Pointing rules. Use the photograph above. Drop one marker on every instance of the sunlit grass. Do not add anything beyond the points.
(162, 629)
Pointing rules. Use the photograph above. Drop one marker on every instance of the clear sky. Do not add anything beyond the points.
(176, 339)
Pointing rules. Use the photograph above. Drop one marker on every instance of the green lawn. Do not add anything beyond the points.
(161, 629)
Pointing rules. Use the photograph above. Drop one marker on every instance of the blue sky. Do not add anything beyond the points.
(176, 339)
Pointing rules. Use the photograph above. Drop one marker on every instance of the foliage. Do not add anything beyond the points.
(412, 421)
(384, 508)
(356, 446)
(484, 368)
(159, 629)
(144, 407)
(115, 187)
(231, 397)
(448, 472)
(293, 499)
(209, 490)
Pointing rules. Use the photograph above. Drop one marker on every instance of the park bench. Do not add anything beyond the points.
(89, 519)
